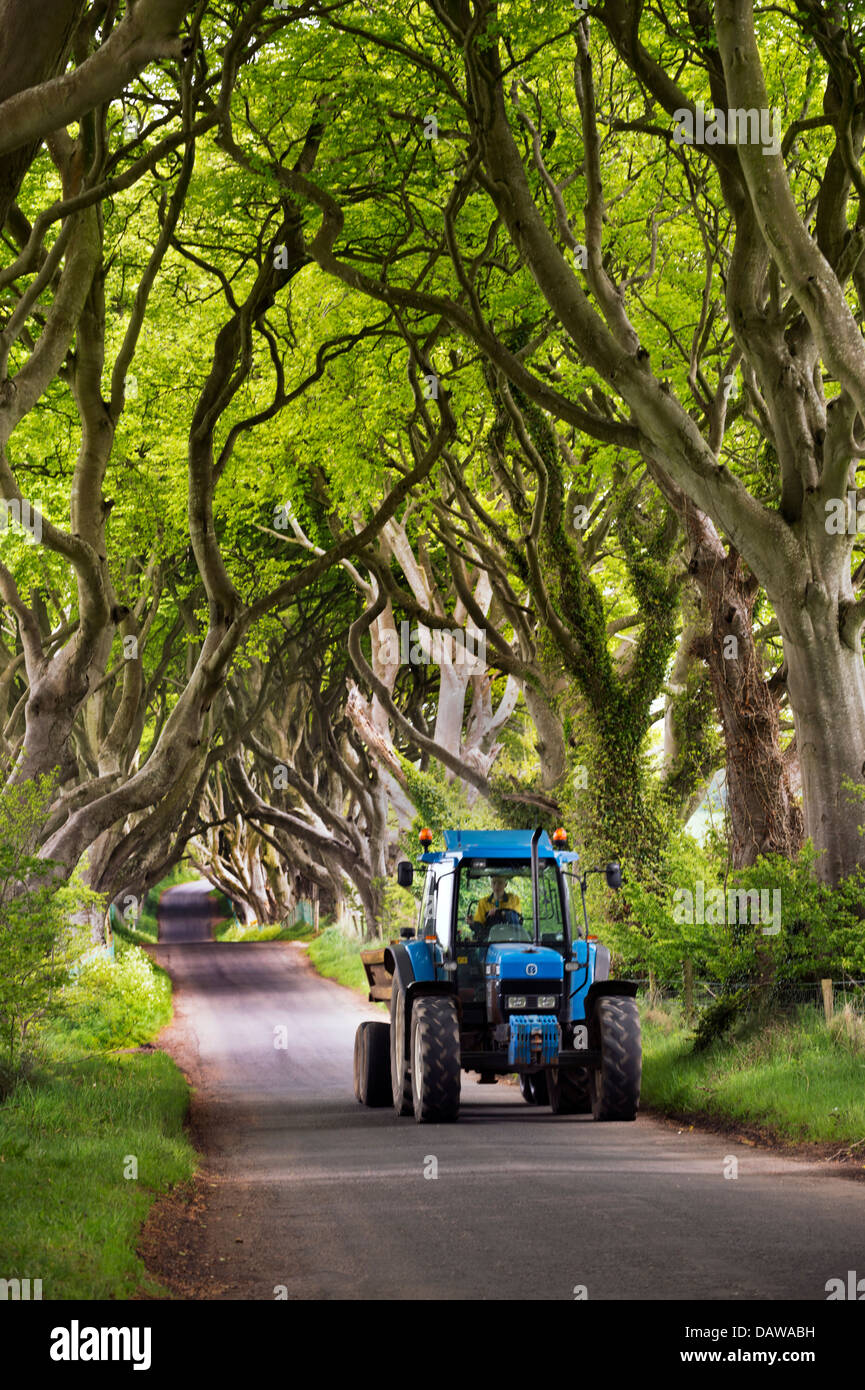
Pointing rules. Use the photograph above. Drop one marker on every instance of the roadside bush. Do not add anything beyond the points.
(115, 1003)
(38, 941)
(821, 929)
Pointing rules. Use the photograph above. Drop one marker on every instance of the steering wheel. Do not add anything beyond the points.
(504, 916)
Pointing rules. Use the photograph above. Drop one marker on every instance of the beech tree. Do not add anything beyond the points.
(419, 282)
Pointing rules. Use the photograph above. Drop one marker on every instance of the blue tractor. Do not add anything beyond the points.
(501, 976)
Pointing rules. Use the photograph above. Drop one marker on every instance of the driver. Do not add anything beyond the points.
(499, 900)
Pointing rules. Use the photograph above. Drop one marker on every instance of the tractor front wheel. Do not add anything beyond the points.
(615, 1084)
(435, 1060)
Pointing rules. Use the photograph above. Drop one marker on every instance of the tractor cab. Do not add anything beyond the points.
(494, 922)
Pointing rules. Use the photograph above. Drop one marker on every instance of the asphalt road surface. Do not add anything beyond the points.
(312, 1194)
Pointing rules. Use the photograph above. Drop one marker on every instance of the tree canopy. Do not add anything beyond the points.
(441, 411)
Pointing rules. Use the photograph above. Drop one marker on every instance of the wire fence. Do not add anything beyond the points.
(302, 911)
(831, 996)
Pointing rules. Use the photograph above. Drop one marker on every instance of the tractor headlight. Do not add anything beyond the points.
(547, 1001)
(516, 1001)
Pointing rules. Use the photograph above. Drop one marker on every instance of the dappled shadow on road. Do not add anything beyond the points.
(186, 913)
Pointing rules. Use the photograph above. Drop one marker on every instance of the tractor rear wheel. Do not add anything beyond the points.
(399, 1076)
(372, 1064)
(615, 1084)
(569, 1091)
(435, 1060)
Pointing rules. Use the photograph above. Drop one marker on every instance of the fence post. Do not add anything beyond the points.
(688, 974)
(828, 999)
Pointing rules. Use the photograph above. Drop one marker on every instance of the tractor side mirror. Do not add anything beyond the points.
(405, 873)
(613, 872)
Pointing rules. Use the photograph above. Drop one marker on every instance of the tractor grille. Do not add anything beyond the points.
(539, 988)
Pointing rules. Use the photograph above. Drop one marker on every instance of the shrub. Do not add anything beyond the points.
(822, 928)
(115, 1003)
(38, 941)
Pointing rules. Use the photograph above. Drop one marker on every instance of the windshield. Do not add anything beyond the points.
(495, 902)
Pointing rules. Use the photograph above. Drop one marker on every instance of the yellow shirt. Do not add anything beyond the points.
(509, 903)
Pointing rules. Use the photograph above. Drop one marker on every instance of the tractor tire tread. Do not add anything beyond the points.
(436, 1093)
(616, 1083)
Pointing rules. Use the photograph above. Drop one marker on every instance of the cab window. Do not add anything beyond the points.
(428, 907)
(495, 903)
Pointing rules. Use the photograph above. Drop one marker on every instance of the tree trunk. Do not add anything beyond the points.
(764, 816)
(826, 682)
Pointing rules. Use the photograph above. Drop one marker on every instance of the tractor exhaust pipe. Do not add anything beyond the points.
(536, 914)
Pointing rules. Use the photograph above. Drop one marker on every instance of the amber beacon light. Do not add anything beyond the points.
(560, 837)
(426, 837)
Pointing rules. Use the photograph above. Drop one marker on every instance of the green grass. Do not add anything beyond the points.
(337, 957)
(795, 1077)
(229, 930)
(69, 1216)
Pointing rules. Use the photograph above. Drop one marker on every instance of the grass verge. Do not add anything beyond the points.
(73, 1134)
(795, 1077)
(228, 930)
(337, 957)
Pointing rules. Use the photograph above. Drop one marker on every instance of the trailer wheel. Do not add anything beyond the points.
(359, 1049)
(615, 1084)
(533, 1088)
(435, 1060)
(569, 1091)
(372, 1064)
(399, 1075)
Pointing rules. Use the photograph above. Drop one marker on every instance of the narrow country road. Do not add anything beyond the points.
(310, 1193)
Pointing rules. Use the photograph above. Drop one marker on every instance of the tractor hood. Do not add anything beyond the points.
(514, 961)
